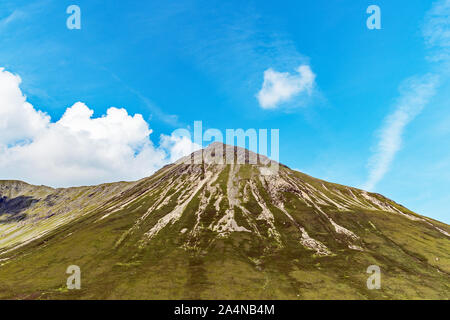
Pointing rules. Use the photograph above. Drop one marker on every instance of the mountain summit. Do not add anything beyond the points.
(222, 223)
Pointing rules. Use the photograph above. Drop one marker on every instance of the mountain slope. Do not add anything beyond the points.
(217, 230)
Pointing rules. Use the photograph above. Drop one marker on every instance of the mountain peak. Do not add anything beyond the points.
(220, 153)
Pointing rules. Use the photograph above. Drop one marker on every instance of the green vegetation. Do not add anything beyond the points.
(199, 254)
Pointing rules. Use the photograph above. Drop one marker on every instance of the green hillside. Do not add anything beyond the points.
(217, 231)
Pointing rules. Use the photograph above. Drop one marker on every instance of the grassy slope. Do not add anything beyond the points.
(116, 264)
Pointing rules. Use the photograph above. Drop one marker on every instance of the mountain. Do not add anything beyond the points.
(248, 228)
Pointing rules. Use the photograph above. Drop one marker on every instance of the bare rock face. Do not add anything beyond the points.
(219, 153)
(227, 204)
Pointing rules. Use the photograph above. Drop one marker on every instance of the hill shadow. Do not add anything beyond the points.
(13, 209)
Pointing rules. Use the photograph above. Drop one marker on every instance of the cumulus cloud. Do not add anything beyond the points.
(18, 119)
(78, 149)
(280, 87)
(179, 146)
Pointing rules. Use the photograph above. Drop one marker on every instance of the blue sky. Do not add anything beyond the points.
(377, 115)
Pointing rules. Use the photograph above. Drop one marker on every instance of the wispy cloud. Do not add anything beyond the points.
(415, 93)
(436, 31)
(280, 87)
(21, 12)
(170, 119)
(15, 15)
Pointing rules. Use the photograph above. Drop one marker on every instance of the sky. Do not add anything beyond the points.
(353, 105)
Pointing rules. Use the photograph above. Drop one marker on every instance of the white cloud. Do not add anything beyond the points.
(179, 146)
(437, 31)
(18, 119)
(280, 87)
(77, 149)
(415, 94)
(15, 15)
